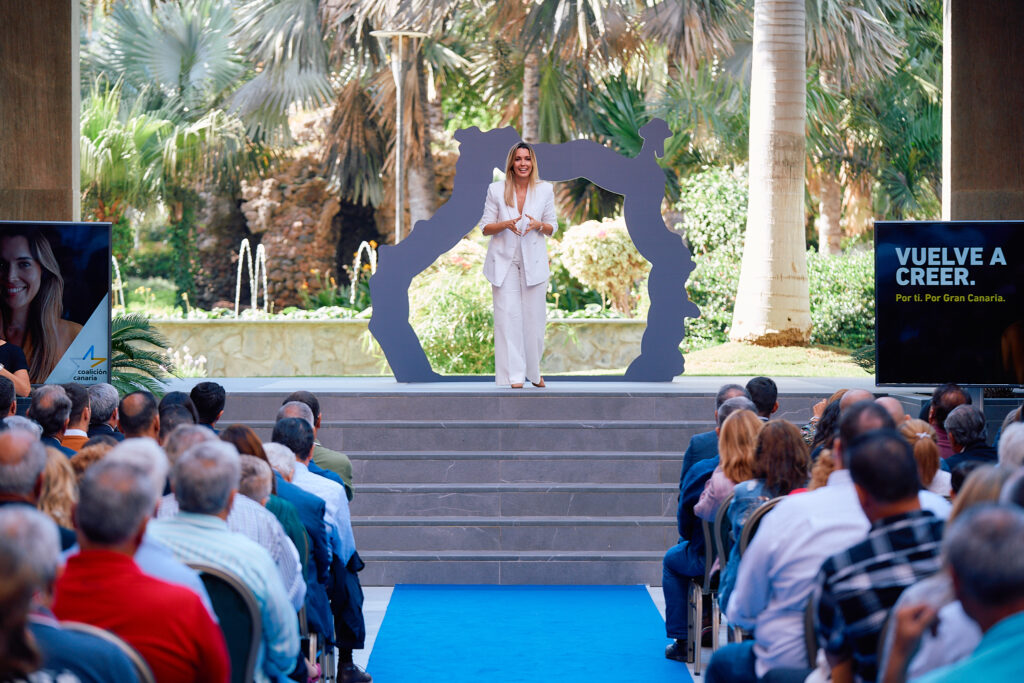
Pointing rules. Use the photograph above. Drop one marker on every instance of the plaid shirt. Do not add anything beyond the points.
(857, 587)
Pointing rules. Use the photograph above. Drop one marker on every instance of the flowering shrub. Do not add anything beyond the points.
(602, 255)
(184, 364)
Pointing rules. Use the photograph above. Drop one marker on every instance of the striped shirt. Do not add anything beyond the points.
(207, 539)
(337, 514)
(858, 586)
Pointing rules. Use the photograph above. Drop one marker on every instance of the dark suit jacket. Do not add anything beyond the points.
(67, 536)
(691, 535)
(980, 451)
(702, 446)
(52, 442)
(105, 430)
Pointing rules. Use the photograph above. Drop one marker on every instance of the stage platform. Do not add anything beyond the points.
(470, 483)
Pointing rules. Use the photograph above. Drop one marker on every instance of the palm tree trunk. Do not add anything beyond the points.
(420, 184)
(830, 208)
(531, 97)
(772, 303)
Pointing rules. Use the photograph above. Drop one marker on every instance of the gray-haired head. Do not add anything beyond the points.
(36, 537)
(24, 424)
(966, 424)
(1011, 446)
(50, 407)
(984, 547)
(205, 476)
(147, 456)
(256, 478)
(281, 458)
(184, 437)
(22, 460)
(114, 498)
(727, 391)
(733, 404)
(103, 402)
(296, 409)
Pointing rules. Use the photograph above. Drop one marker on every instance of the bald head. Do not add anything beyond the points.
(855, 396)
(894, 408)
(22, 460)
(139, 416)
(298, 410)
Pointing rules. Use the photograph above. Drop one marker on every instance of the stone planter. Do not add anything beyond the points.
(302, 348)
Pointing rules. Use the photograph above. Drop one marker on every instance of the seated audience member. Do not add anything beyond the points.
(301, 410)
(955, 635)
(251, 519)
(51, 409)
(780, 464)
(810, 430)
(77, 433)
(736, 462)
(25, 424)
(22, 461)
(685, 560)
(345, 591)
(857, 586)
(103, 586)
(153, 557)
(921, 437)
(171, 417)
(19, 656)
(825, 431)
(895, 408)
(944, 399)
(324, 459)
(965, 427)
(984, 552)
(209, 399)
(959, 476)
(65, 655)
(764, 394)
(852, 396)
(779, 568)
(179, 398)
(103, 405)
(81, 460)
(60, 488)
(8, 399)
(205, 482)
(704, 445)
(1011, 446)
(184, 437)
(256, 483)
(138, 416)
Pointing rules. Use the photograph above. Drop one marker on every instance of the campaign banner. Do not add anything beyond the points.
(55, 302)
(948, 305)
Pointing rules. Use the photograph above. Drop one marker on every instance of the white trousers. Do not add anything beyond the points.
(520, 314)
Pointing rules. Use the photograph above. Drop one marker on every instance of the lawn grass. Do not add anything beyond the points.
(779, 361)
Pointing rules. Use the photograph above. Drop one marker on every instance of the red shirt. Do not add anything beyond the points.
(167, 624)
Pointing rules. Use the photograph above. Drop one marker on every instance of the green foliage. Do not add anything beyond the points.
(842, 298)
(712, 287)
(451, 311)
(137, 357)
(149, 293)
(714, 206)
(153, 260)
(567, 293)
(602, 255)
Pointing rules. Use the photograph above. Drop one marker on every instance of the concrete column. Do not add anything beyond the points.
(983, 110)
(39, 110)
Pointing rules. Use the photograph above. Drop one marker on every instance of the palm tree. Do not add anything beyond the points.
(137, 357)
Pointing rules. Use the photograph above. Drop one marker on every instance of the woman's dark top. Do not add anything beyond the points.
(13, 358)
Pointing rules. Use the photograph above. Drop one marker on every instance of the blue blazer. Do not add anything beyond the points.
(702, 446)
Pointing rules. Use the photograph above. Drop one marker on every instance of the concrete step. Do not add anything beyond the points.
(595, 534)
(515, 467)
(494, 500)
(516, 567)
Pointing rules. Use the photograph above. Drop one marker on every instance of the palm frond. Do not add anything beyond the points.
(137, 354)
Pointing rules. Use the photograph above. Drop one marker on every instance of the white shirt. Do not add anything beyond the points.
(779, 568)
(336, 512)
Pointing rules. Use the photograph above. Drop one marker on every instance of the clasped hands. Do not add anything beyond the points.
(534, 225)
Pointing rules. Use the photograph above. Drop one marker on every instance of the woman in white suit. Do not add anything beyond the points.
(519, 215)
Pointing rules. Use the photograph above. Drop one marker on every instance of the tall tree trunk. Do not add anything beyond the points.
(420, 183)
(772, 303)
(830, 209)
(531, 97)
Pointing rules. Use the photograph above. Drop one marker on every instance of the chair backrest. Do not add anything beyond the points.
(723, 531)
(239, 617)
(810, 635)
(754, 521)
(709, 554)
(142, 669)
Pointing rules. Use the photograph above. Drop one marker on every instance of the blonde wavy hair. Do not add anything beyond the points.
(60, 488)
(510, 186)
(736, 443)
(45, 310)
(921, 437)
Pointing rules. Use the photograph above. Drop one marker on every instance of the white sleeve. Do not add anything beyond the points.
(548, 215)
(490, 209)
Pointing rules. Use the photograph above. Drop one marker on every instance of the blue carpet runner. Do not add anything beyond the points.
(506, 634)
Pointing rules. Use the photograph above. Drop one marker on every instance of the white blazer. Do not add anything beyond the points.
(540, 203)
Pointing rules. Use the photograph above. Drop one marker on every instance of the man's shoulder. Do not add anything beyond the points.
(89, 657)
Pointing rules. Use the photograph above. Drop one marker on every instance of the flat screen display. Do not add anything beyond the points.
(948, 302)
(55, 302)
